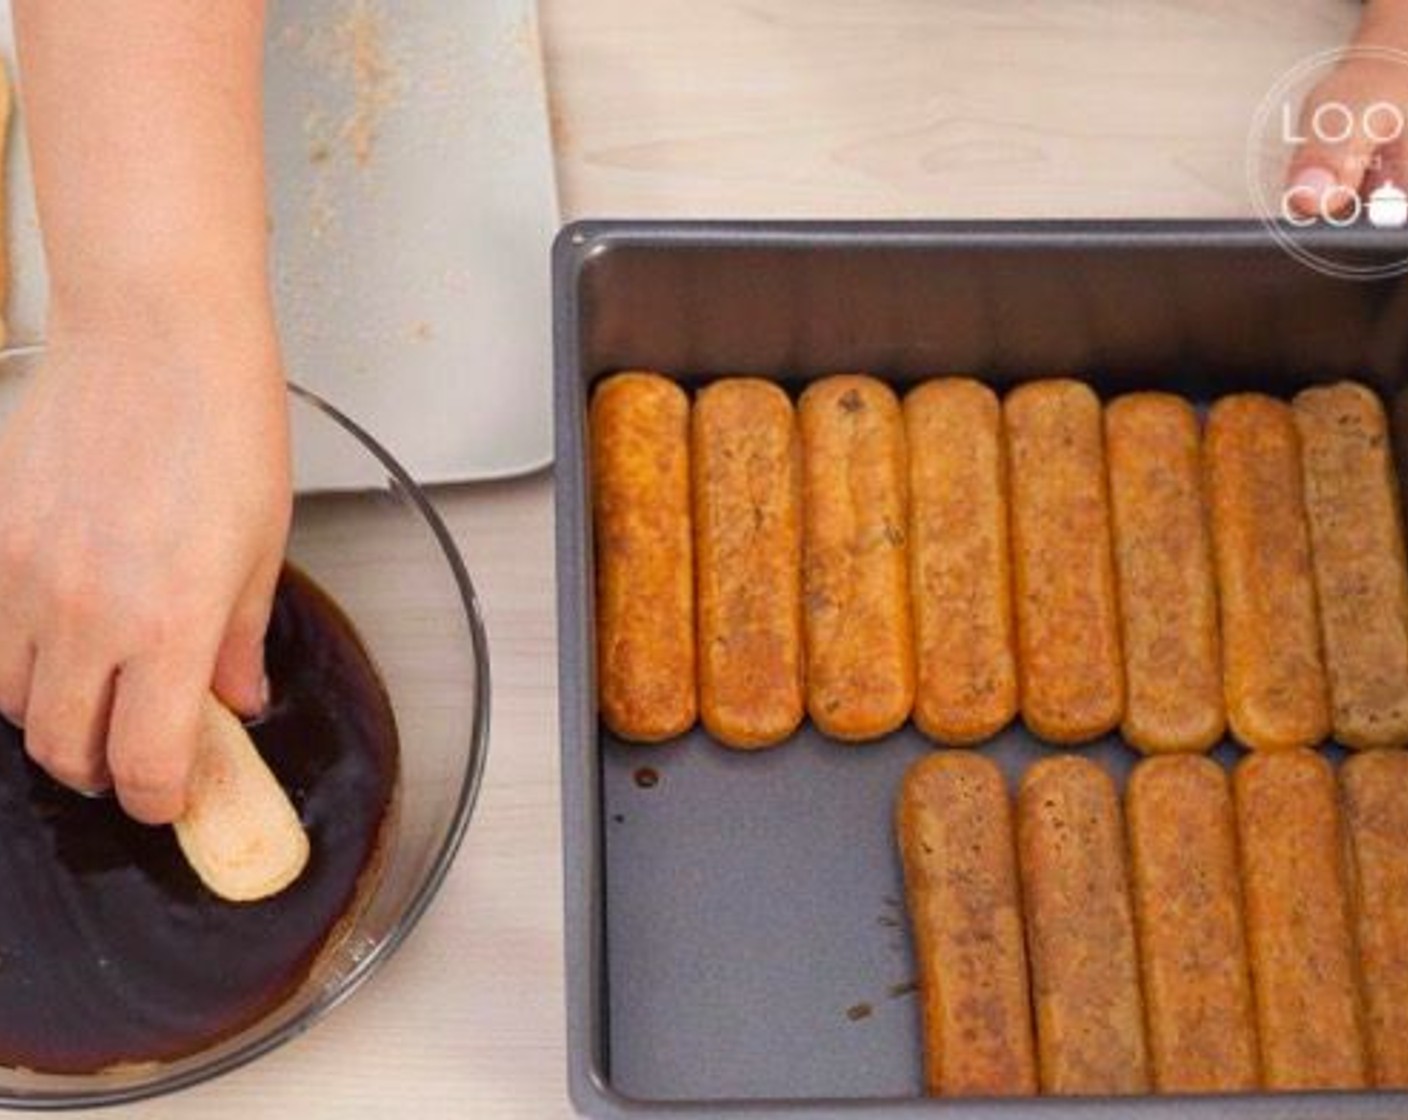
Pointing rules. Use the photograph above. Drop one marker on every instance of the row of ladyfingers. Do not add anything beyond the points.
(960, 559)
(1221, 937)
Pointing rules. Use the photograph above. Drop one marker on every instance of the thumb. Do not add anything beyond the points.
(1333, 156)
(239, 679)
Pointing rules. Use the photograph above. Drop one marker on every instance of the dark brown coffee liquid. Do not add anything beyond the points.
(111, 950)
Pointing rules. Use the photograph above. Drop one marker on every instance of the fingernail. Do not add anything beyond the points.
(1310, 187)
(264, 694)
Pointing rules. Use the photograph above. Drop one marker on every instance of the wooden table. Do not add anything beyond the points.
(747, 108)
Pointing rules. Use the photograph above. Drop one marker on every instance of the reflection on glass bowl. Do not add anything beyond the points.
(386, 558)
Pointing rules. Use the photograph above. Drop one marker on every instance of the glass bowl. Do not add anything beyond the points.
(381, 551)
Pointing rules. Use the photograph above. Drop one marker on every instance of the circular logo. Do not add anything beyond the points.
(1327, 103)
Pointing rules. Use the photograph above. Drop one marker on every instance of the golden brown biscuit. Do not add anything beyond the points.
(1163, 558)
(1356, 536)
(859, 637)
(1069, 662)
(1272, 671)
(960, 579)
(960, 871)
(1192, 946)
(748, 561)
(1080, 931)
(1375, 790)
(644, 556)
(1299, 935)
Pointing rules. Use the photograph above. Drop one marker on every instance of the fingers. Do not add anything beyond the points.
(94, 727)
(1389, 168)
(134, 730)
(152, 734)
(17, 646)
(66, 716)
(1331, 162)
(239, 669)
(16, 673)
(1348, 126)
(1325, 178)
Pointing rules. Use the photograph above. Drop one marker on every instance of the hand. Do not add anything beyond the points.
(1353, 125)
(144, 506)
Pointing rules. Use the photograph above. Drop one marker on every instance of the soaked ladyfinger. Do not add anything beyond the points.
(239, 832)
(1274, 679)
(1356, 536)
(960, 870)
(1192, 944)
(1299, 933)
(644, 556)
(1375, 797)
(1163, 557)
(965, 638)
(1080, 931)
(859, 643)
(1069, 663)
(748, 561)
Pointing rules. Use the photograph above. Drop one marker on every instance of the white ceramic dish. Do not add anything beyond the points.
(412, 204)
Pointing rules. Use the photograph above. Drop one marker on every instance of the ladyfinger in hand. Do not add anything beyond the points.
(240, 833)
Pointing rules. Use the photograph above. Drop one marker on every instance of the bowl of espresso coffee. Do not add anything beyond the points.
(122, 975)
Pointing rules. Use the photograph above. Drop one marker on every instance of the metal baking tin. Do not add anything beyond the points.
(736, 942)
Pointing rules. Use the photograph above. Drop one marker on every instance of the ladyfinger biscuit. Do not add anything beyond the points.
(859, 635)
(960, 580)
(748, 561)
(1069, 662)
(960, 871)
(240, 833)
(1299, 935)
(1375, 797)
(1192, 946)
(1356, 537)
(1273, 677)
(1080, 931)
(644, 556)
(1163, 558)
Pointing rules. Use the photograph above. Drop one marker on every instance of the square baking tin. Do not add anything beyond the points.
(736, 939)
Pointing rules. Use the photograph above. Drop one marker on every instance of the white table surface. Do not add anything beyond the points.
(734, 108)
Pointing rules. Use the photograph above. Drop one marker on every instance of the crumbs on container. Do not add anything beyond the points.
(360, 39)
(351, 50)
(322, 215)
